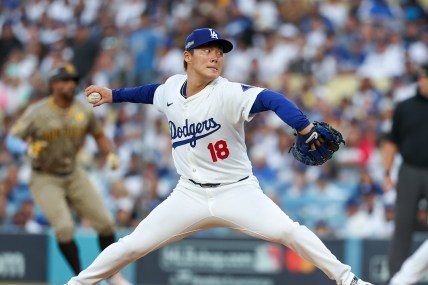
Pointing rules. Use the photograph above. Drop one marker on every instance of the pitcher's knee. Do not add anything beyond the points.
(136, 247)
(130, 250)
(286, 234)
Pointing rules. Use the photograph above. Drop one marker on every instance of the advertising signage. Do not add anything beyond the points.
(23, 257)
(375, 260)
(229, 262)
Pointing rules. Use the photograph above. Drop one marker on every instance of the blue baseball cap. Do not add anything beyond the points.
(206, 35)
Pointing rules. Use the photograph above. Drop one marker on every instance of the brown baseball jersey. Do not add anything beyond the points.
(63, 130)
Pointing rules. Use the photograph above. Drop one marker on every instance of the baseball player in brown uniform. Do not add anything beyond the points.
(54, 129)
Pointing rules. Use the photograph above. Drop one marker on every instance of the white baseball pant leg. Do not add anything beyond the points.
(180, 215)
(247, 209)
(413, 268)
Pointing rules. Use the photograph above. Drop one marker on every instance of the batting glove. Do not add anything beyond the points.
(35, 148)
(113, 161)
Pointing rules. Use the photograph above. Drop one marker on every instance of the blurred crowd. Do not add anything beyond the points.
(344, 62)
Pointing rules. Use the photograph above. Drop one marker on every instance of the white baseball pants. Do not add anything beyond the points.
(190, 208)
(414, 268)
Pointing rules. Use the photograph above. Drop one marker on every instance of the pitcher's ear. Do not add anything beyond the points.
(187, 56)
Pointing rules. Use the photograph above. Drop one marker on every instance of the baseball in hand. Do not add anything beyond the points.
(94, 97)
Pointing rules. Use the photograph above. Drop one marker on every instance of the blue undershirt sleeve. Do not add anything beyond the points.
(282, 106)
(141, 94)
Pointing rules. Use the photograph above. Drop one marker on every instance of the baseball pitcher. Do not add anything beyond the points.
(206, 115)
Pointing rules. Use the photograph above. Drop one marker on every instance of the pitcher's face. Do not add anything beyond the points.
(206, 61)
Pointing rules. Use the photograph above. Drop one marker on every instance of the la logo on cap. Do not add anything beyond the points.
(213, 34)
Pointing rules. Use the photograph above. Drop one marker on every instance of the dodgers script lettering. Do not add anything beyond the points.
(192, 132)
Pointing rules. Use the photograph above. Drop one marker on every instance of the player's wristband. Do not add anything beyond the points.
(387, 173)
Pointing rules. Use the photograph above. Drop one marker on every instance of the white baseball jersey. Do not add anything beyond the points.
(207, 129)
(208, 146)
